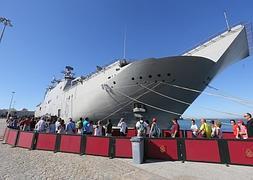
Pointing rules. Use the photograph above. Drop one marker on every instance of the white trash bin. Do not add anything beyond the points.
(137, 149)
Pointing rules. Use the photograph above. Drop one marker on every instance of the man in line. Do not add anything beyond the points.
(175, 129)
(70, 127)
(249, 124)
(41, 125)
(141, 127)
(205, 129)
(123, 127)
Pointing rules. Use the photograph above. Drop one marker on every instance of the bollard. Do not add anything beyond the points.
(137, 149)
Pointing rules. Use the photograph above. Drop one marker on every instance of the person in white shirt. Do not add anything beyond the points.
(41, 125)
(194, 128)
(141, 127)
(57, 124)
(99, 129)
(123, 127)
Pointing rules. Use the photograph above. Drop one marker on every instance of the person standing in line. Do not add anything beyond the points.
(213, 132)
(218, 131)
(234, 127)
(26, 126)
(205, 129)
(123, 127)
(148, 128)
(52, 128)
(249, 124)
(108, 128)
(86, 125)
(62, 127)
(98, 129)
(155, 131)
(79, 125)
(175, 129)
(141, 127)
(57, 125)
(242, 130)
(91, 128)
(41, 125)
(194, 128)
(70, 127)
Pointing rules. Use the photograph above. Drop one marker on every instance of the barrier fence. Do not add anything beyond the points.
(225, 151)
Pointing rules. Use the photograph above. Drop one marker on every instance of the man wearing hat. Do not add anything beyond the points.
(249, 124)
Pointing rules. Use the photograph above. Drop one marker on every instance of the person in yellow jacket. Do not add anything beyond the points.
(205, 129)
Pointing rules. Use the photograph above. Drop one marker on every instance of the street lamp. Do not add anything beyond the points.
(9, 111)
(6, 22)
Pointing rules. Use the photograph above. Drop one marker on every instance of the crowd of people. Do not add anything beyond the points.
(143, 127)
(213, 130)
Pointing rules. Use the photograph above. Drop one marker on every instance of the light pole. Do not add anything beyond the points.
(6, 22)
(9, 111)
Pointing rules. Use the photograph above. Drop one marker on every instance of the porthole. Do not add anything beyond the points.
(114, 82)
(109, 77)
(132, 78)
(159, 75)
(168, 74)
(140, 77)
(150, 76)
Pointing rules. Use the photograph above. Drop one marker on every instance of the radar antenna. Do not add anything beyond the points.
(68, 74)
(226, 19)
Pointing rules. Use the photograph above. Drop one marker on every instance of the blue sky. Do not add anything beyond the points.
(47, 35)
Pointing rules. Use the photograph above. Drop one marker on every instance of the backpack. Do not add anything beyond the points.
(142, 129)
(156, 131)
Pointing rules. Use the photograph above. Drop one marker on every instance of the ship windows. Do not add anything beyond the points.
(140, 77)
(109, 77)
(132, 78)
(168, 74)
(114, 82)
(159, 75)
(150, 76)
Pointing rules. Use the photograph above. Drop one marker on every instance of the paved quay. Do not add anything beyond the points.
(18, 163)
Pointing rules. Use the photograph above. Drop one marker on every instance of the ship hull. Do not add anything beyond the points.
(102, 98)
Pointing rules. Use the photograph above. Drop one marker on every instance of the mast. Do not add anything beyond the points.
(124, 48)
(226, 19)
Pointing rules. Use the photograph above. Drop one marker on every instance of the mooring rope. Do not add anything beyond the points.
(234, 99)
(187, 103)
(149, 105)
(128, 103)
